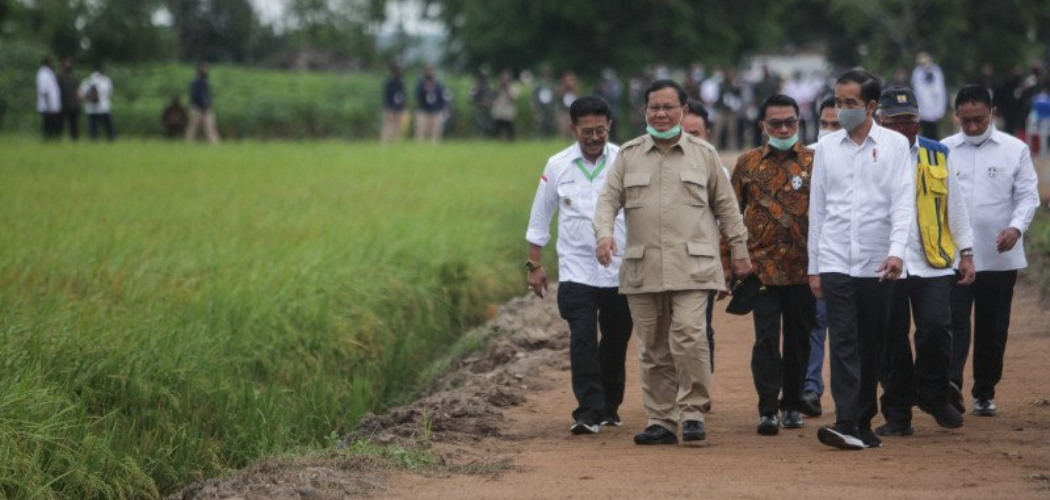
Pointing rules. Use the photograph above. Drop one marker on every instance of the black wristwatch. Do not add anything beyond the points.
(532, 266)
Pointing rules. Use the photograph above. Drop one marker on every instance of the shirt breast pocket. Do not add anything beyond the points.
(569, 196)
(635, 187)
(695, 187)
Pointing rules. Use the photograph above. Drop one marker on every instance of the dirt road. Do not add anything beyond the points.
(1002, 457)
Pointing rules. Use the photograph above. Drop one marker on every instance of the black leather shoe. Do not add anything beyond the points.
(655, 434)
(899, 429)
(944, 413)
(841, 436)
(768, 425)
(693, 430)
(955, 397)
(792, 420)
(809, 404)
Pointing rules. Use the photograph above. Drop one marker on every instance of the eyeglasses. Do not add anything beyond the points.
(777, 124)
(588, 133)
(666, 108)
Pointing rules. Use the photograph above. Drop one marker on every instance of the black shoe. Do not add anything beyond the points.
(944, 413)
(693, 430)
(581, 427)
(809, 404)
(792, 420)
(768, 425)
(984, 407)
(899, 429)
(955, 397)
(869, 438)
(655, 434)
(840, 436)
(611, 421)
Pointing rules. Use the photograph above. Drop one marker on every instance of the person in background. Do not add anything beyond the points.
(174, 119)
(49, 100)
(568, 91)
(772, 186)
(940, 228)
(430, 107)
(999, 187)
(813, 388)
(862, 202)
(67, 84)
(927, 81)
(670, 259)
(394, 99)
(202, 113)
(588, 297)
(608, 87)
(97, 92)
(543, 104)
(505, 106)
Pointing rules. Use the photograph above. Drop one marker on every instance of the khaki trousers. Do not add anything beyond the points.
(428, 126)
(199, 118)
(672, 344)
(391, 126)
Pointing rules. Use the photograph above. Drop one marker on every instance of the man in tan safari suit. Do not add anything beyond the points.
(674, 195)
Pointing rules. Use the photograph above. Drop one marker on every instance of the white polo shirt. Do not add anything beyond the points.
(861, 202)
(104, 87)
(1000, 188)
(915, 262)
(571, 186)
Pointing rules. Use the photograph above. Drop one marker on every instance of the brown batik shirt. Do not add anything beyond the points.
(772, 187)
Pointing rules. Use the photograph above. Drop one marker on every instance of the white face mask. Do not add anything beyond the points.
(977, 140)
(823, 132)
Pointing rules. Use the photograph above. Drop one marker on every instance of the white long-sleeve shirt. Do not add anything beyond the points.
(565, 187)
(861, 202)
(915, 262)
(1001, 190)
(48, 95)
(928, 84)
(104, 87)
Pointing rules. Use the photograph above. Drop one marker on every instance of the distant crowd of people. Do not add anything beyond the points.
(847, 241)
(60, 98)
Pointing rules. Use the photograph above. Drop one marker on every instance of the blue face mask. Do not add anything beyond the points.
(783, 144)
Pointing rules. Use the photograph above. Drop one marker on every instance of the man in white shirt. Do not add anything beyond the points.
(97, 92)
(941, 227)
(49, 100)
(927, 80)
(862, 201)
(1000, 189)
(588, 293)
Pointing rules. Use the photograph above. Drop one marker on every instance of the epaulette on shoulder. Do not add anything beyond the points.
(637, 141)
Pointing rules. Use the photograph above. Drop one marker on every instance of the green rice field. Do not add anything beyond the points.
(173, 311)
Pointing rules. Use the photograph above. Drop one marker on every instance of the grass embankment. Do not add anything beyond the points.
(1037, 246)
(171, 312)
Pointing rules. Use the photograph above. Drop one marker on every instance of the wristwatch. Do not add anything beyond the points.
(532, 266)
(966, 252)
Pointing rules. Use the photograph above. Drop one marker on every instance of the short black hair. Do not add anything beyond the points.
(696, 107)
(826, 103)
(870, 85)
(589, 105)
(973, 93)
(777, 100)
(663, 84)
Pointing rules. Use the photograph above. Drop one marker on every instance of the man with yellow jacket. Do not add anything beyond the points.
(674, 195)
(940, 231)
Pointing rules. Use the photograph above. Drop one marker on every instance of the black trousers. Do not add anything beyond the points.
(598, 373)
(794, 307)
(989, 299)
(71, 120)
(52, 125)
(104, 120)
(858, 314)
(710, 330)
(905, 380)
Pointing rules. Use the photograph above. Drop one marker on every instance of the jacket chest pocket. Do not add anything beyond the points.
(935, 180)
(695, 188)
(636, 188)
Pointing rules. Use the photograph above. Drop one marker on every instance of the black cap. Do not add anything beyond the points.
(898, 100)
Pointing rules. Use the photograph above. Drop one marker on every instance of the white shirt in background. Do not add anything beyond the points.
(566, 189)
(861, 202)
(48, 95)
(104, 87)
(1000, 189)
